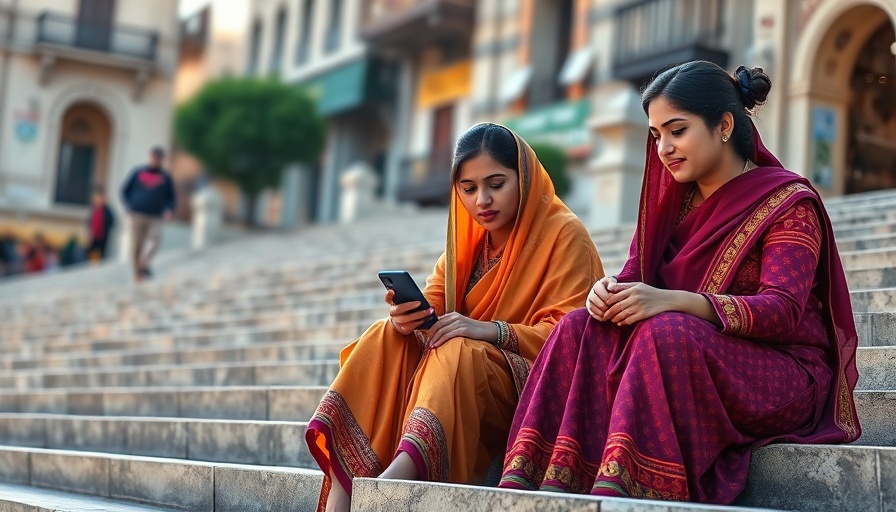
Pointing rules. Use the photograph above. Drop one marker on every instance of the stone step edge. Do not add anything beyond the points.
(144, 419)
(376, 495)
(176, 483)
(32, 499)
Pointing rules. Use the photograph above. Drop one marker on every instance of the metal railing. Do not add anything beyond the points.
(59, 29)
(655, 27)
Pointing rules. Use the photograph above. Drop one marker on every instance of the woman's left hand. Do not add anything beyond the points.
(455, 325)
(633, 302)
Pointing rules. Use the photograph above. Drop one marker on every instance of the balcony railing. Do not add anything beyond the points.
(62, 30)
(404, 24)
(653, 33)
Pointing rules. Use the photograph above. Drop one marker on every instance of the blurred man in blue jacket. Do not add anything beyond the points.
(148, 194)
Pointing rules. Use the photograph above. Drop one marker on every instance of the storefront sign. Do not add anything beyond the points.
(444, 85)
(561, 124)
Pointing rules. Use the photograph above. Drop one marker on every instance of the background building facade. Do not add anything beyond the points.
(85, 91)
(400, 80)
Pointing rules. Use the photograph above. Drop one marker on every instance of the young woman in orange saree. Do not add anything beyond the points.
(438, 406)
(729, 327)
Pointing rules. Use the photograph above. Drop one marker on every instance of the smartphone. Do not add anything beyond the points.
(406, 290)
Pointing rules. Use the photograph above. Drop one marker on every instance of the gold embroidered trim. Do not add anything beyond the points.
(724, 263)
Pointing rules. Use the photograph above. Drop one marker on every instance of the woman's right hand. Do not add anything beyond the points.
(597, 298)
(400, 317)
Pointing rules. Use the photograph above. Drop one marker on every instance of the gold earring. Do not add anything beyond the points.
(724, 138)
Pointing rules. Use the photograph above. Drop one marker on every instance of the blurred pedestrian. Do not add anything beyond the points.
(99, 225)
(34, 254)
(148, 195)
(7, 254)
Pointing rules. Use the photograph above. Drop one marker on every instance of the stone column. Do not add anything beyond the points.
(613, 177)
(207, 212)
(358, 194)
(398, 145)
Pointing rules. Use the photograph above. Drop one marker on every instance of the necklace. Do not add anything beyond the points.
(487, 249)
(746, 164)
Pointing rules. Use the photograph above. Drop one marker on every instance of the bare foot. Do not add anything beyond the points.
(402, 468)
(338, 500)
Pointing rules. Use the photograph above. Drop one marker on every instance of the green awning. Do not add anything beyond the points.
(351, 85)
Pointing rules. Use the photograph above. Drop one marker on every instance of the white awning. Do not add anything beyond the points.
(577, 65)
(515, 85)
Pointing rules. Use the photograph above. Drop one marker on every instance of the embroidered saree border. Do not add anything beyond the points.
(626, 470)
(424, 440)
(565, 467)
(349, 444)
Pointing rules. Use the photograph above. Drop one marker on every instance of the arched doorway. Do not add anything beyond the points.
(871, 150)
(82, 154)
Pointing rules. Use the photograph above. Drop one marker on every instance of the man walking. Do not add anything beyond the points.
(148, 194)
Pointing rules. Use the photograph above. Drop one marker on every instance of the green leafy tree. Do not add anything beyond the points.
(247, 130)
(555, 161)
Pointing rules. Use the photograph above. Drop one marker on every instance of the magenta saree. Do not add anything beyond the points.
(671, 407)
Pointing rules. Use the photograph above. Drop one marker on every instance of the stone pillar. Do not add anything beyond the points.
(397, 147)
(207, 212)
(358, 194)
(613, 177)
(290, 190)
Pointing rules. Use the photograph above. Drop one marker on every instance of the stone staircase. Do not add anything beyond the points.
(192, 391)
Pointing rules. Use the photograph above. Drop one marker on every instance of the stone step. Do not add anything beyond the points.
(870, 267)
(816, 478)
(877, 368)
(864, 229)
(871, 278)
(873, 300)
(174, 310)
(807, 478)
(271, 403)
(869, 258)
(181, 354)
(18, 498)
(877, 371)
(288, 373)
(876, 329)
(268, 443)
(292, 279)
(374, 495)
(869, 300)
(866, 242)
(214, 338)
(368, 306)
(864, 215)
(876, 409)
(180, 484)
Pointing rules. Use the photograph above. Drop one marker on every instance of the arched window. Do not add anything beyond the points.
(82, 156)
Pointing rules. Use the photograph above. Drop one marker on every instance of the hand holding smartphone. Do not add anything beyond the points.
(406, 290)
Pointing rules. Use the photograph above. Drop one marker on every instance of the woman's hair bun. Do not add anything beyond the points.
(753, 85)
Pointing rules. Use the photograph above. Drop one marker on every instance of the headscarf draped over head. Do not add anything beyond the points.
(548, 265)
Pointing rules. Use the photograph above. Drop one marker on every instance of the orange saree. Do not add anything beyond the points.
(450, 408)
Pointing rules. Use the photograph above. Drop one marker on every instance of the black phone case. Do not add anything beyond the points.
(406, 290)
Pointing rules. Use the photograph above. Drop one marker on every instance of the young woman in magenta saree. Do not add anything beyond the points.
(438, 407)
(729, 327)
